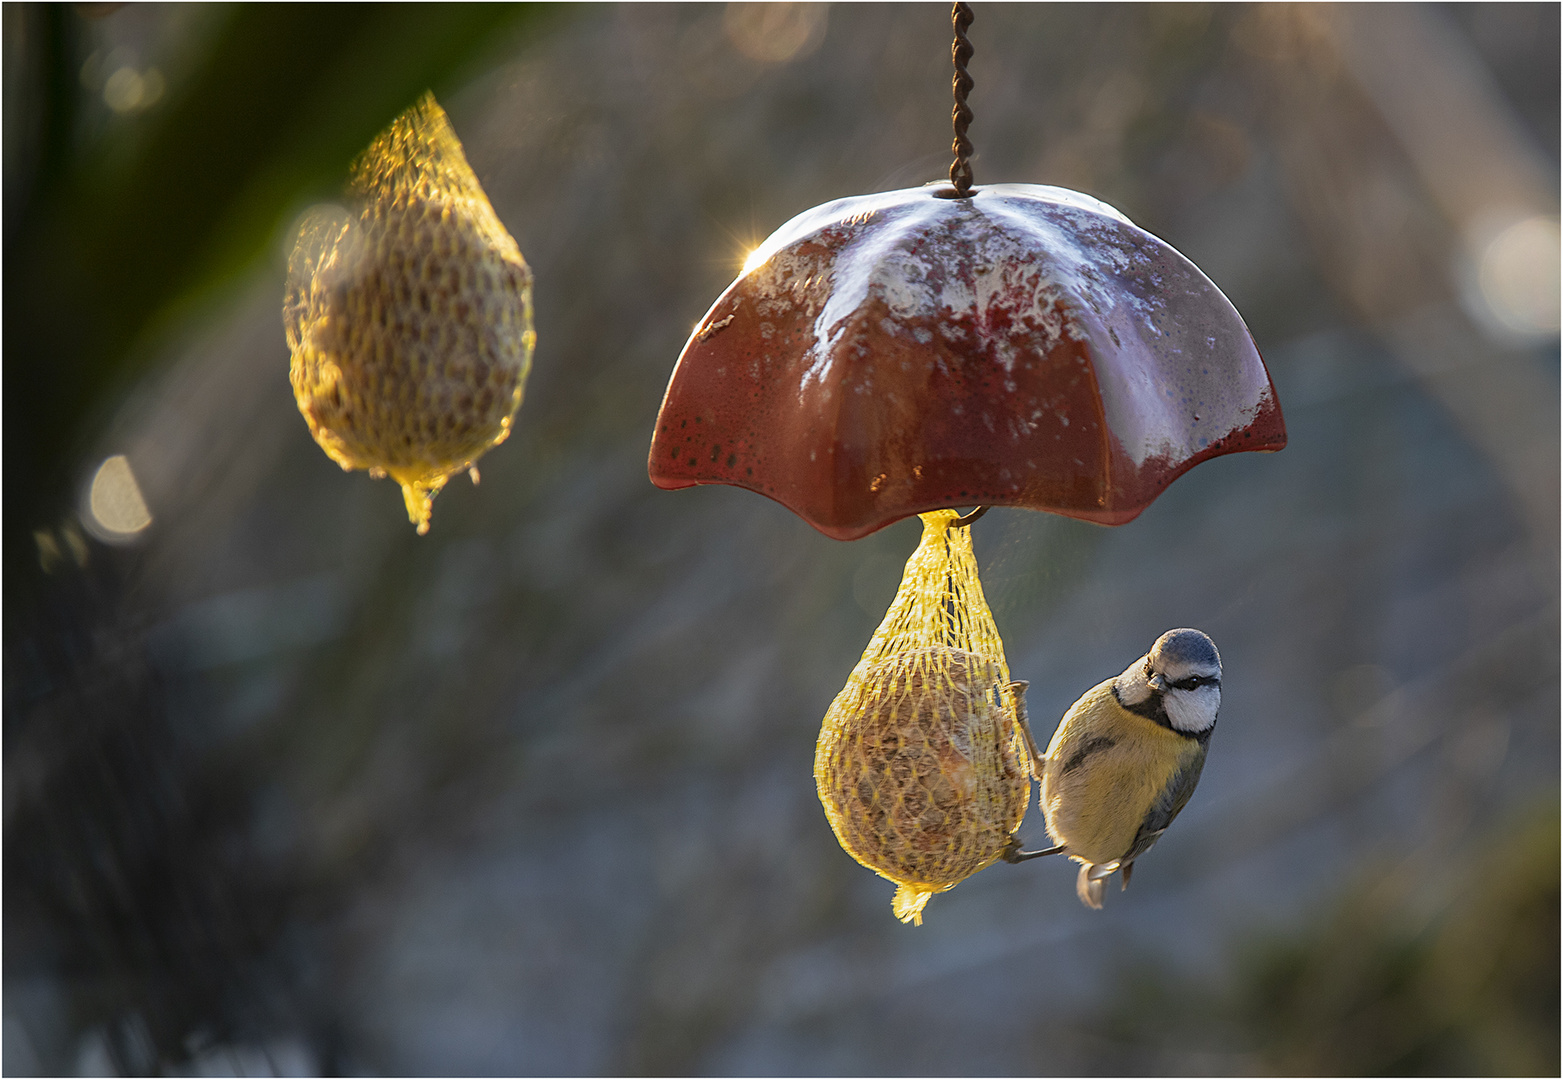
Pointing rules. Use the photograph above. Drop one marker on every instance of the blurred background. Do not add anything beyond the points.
(289, 789)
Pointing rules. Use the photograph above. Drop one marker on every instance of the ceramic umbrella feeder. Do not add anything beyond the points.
(1011, 344)
(912, 351)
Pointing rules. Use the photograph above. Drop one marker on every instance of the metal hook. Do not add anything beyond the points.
(962, 522)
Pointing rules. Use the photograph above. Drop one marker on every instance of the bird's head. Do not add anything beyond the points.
(1183, 672)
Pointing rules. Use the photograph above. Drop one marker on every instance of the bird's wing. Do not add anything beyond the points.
(1173, 798)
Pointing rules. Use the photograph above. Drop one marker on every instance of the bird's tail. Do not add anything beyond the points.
(1089, 885)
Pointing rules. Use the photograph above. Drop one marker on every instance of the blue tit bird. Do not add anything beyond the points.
(1126, 758)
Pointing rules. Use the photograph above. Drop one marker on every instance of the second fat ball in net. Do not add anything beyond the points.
(409, 316)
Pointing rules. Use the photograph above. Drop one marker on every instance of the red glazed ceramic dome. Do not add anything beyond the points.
(890, 354)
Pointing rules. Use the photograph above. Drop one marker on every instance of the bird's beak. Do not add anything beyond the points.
(1158, 682)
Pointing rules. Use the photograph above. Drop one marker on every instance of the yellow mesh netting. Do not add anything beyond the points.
(410, 323)
(920, 764)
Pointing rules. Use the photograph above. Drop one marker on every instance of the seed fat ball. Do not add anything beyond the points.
(410, 324)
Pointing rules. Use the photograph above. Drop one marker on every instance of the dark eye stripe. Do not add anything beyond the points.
(1194, 682)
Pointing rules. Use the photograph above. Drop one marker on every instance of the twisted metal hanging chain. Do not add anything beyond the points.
(960, 172)
(960, 52)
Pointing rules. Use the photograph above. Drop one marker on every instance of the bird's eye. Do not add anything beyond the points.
(1194, 682)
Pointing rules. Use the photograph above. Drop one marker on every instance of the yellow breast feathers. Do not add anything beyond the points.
(1105, 768)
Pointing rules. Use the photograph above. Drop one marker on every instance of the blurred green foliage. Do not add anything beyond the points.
(1371, 989)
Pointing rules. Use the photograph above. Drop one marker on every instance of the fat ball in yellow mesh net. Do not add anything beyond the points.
(921, 764)
(409, 317)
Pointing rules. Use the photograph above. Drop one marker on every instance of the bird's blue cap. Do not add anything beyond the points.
(1185, 648)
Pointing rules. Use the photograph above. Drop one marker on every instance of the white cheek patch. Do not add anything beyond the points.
(1192, 711)
(1132, 687)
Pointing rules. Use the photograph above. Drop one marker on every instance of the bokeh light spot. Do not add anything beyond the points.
(116, 511)
(1518, 272)
(775, 33)
(128, 90)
